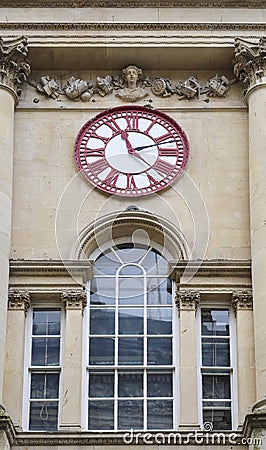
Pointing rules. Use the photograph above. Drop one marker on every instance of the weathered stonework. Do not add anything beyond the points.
(18, 299)
(14, 66)
(74, 299)
(242, 300)
(187, 300)
(249, 62)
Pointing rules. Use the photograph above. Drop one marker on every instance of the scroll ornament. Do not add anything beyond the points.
(131, 86)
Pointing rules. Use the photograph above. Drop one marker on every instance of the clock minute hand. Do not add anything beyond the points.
(153, 145)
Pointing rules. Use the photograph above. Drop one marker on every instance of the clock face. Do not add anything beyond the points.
(131, 151)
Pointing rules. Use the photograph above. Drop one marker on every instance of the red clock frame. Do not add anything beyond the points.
(123, 127)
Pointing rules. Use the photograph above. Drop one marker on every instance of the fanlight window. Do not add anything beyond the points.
(130, 353)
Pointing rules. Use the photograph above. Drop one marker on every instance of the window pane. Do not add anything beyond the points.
(130, 252)
(131, 270)
(131, 291)
(102, 291)
(44, 385)
(46, 322)
(159, 291)
(45, 351)
(221, 419)
(130, 384)
(160, 384)
(101, 384)
(130, 414)
(160, 351)
(215, 352)
(155, 264)
(101, 351)
(43, 416)
(159, 320)
(130, 351)
(160, 415)
(215, 322)
(102, 321)
(101, 415)
(130, 321)
(107, 263)
(216, 386)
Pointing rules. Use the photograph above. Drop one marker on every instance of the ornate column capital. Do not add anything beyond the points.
(242, 300)
(14, 66)
(18, 299)
(187, 300)
(250, 62)
(74, 298)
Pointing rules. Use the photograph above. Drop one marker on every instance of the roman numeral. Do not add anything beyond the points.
(151, 179)
(162, 138)
(96, 152)
(151, 125)
(102, 138)
(98, 166)
(131, 184)
(111, 178)
(167, 151)
(132, 121)
(113, 125)
(163, 167)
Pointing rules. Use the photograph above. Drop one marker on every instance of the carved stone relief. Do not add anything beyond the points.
(187, 300)
(14, 66)
(250, 61)
(18, 299)
(74, 298)
(242, 300)
(131, 86)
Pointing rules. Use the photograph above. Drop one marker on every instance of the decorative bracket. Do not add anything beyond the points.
(250, 62)
(19, 300)
(74, 299)
(242, 300)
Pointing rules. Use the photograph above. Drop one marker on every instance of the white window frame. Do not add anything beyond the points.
(28, 369)
(214, 304)
(175, 345)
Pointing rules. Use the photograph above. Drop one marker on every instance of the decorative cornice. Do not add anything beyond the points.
(14, 66)
(250, 62)
(125, 439)
(133, 26)
(133, 4)
(218, 268)
(21, 267)
(187, 300)
(18, 299)
(74, 299)
(242, 300)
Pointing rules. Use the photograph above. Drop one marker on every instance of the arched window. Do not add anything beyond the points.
(131, 361)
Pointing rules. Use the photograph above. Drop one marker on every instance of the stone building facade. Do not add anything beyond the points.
(132, 224)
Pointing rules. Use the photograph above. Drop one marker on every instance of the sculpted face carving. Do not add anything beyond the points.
(132, 92)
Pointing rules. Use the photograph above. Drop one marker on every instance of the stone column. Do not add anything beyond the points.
(243, 307)
(18, 304)
(187, 303)
(74, 301)
(250, 67)
(14, 69)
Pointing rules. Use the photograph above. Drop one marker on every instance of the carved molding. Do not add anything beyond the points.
(187, 300)
(134, 4)
(74, 299)
(250, 62)
(134, 26)
(242, 300)
(132, 85)
(14, 66)
(18, 299)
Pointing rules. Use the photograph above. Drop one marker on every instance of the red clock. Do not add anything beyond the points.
(131, 151)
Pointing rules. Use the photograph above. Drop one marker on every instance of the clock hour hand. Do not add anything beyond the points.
(124, 135)
(153, 145)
